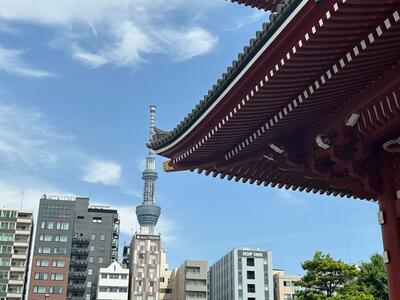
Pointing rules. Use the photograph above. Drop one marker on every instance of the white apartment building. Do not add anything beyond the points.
(113, 282)
(242, 274)
(15, 244)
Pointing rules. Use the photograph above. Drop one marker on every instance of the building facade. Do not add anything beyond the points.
(113, 282)
(149, 273)
(285, 285)
(242, 274)
(73, 241)
(189, 281)
(16, 227)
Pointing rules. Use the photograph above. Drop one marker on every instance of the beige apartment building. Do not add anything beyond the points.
(285, 285)
(189, 281)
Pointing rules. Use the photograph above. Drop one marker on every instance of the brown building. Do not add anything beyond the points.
(285, 285)
(189, 281)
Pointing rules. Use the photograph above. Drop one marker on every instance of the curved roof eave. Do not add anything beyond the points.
(278, 21)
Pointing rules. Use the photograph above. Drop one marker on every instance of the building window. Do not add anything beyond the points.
(102, 237)
(6, 249)
(104, 276)
(141, 255)
(61, 238)
(45, 237)
(39, 289)
(97, 219)
(44, 250)
(7, 225)
(250, 262)
(87, 297)
(41, 276)
(55, 290)
(89, 284)
(101, 248)
(58, 263)
(101, 259)
(47, 225)
(42, 263)
(62, 226)
(193, 270)
(93, 236)
(91, 248)
(60, 250)
(3, 274)
(91, 259)
(6, 237)
(114, 276)
(9, 213)
(287, 297)
(3, 287)
(251, 288)
(251, 275)
(286, 283)
(57, 276)
(90, 272)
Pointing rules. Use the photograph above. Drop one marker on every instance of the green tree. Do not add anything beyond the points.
(352, 291)
(373, 278)
(325, 276)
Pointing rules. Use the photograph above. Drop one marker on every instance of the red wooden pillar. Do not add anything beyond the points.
(389, 205)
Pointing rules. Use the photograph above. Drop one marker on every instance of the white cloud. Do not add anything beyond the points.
(105, 172)
(188, 43)
(119, 32)
(91, 59)
(12, 63)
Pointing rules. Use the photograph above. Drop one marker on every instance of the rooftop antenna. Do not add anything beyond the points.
(22, 196)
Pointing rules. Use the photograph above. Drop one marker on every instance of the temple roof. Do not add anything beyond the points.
(312, 104)
(260, 4)
(262, 36)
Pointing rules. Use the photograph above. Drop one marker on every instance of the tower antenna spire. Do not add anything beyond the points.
(148, 212)
(152, 125)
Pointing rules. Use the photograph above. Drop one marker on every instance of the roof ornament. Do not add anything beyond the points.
(392, 146)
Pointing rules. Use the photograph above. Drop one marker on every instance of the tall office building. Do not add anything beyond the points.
(242, 274)
(148, 267)
(73, 241)
(15, 244)
(189, 281)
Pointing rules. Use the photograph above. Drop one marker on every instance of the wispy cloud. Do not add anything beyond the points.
(11, 62)
(92, 60)
(256, 16)
(118, 32)
(188, 43)
(105, 172)
(26, 139)
(28, 143)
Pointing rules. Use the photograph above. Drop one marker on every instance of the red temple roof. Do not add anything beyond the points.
(308, 105)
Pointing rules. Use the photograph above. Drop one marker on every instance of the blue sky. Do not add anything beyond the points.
(76, 80)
